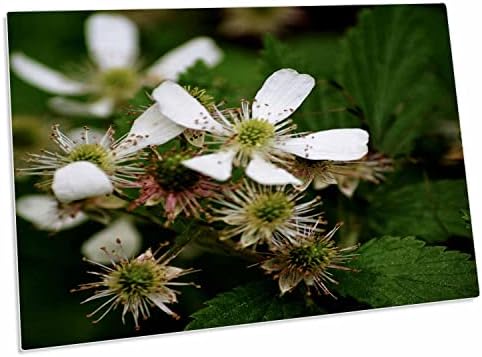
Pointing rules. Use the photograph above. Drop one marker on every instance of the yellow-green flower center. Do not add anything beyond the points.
(119, 83)
(254, 134)
(271, 208)
(201, 95)
(93, 153)
(135, 278)
(316, 255)
(172, 175)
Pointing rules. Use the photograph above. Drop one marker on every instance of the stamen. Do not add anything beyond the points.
(134, 283)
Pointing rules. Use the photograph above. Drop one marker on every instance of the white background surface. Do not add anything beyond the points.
(439, 329)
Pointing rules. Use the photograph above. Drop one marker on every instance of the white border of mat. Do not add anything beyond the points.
(439, 329)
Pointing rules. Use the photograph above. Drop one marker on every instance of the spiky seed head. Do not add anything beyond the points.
(254, 134)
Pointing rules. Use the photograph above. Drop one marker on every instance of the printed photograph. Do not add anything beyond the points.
(188, 169)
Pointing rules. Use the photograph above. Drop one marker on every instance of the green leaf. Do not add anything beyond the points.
(429, 210)
(327, 107)
(276, 55)
(201, 76)
(398, 271)
(253, 302)
(435, 21)
(466, 218)
(384, 67)
(313, 54)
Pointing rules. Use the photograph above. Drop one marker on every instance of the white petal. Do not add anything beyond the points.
(322, 183)
(335, 144)
(43, 211)
(249, 238)
(217, 166)
(272, 264)
(194, 137)
(173, 272)
(101, 108)
(176, 61)
(150, 128)
(281, 94)
(112, 40)
(347, 185)
(160, 299)
(266, 173)
(80, 180)
(122, 229)
(179, 106)
(43, 77)
(288, 279)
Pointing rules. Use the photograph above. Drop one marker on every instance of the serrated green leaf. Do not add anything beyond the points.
(384, 67)
(326, 108)
(274, 55)
(253, 302)
(429, 210)
(398, 271)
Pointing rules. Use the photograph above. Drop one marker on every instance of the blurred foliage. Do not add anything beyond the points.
(386, 69)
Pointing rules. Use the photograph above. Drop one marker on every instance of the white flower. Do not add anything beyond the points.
(310, 258)
(263, 214)
(95, 166)
(122, 229)
(113, 45)
(135, 285)
(346, 175)
(260, 135)
(48, 214)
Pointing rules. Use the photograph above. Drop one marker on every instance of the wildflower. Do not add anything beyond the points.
(135, 284)
(196, 137)
(121, 227)
(48, 214)
(94, 166)
(264, 214)
(112, 43)
(308, 258)
(346, 175)
(257, 21)
(178, 188)
(261, 135)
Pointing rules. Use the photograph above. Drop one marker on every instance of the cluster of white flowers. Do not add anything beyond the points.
(87, 177)
(114, 74)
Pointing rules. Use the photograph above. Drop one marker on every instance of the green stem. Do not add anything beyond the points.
(207, 238)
